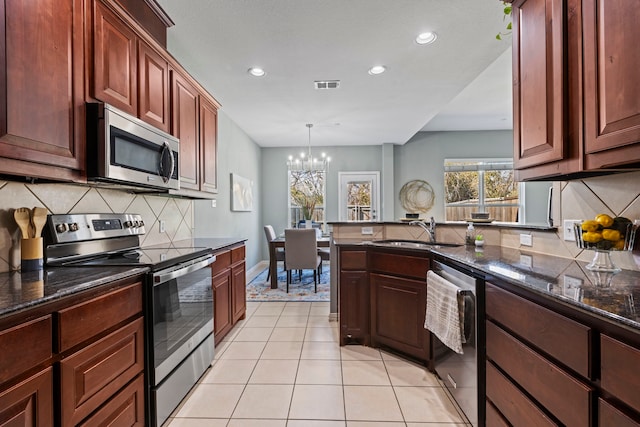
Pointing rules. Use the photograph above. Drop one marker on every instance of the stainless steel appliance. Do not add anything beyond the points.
(125, 150)
(462, 373)
(179, 344)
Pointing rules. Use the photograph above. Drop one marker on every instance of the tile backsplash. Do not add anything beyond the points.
(68, 198)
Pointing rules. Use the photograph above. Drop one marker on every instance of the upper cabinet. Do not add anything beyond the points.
(576, 89)
(42, 111)
(195, 123)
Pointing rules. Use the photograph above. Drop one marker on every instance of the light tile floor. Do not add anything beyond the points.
(283, 367)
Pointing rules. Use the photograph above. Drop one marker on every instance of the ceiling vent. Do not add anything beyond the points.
(327, 84)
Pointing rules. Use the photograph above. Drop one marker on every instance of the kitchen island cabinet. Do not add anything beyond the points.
(576, 88)
(42, 110)
(353, 302)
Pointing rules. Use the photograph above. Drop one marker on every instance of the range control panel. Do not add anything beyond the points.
(68, 228)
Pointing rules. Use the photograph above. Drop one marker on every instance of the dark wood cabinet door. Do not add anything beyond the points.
(42, 112)
(611, 80)
(115, 77)
(223, 321)
(29, 403)
(239, 295)
(208, 146)
(124, 409)
(539, 102)
(153, 87)
(354, 307)
(184, 109)
(398, 312)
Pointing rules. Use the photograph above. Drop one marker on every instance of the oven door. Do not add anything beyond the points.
(180, 344)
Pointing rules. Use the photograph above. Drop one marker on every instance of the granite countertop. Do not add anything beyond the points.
(616, 297)
(19, 291)
(215, 243)
(498, 224)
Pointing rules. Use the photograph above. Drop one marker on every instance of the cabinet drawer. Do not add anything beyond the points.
(400, 265)
(88, 319)
(619, 370)
(223, 260)
(125, 409)
(563, 339)
(353, 260)
(29, 403)
(237, 254)
(610, 416)
(30, 343)
(92, 375)
(511, 402)
(565, 397)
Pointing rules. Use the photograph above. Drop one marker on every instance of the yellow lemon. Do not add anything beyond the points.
(590, 225)
(604, 220)
(591, 237)
(619, 245)
(611, 234)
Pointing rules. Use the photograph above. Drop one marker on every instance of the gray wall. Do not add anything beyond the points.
(423, 158)
(237, 153)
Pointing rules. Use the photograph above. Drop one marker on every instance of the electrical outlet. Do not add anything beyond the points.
(526, 260)
(367, 230)
(213, 203)
(162, 226)
(526, 240)
(568, 230)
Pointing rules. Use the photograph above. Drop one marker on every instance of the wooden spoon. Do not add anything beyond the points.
(39, 219)
(23, 219)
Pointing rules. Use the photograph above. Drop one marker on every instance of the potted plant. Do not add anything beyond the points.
(479, 240)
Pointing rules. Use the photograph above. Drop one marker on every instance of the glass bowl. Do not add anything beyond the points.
(620, 237)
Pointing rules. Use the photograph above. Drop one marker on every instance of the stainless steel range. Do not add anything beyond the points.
(178, 312)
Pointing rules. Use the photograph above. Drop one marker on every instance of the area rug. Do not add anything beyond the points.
(299, 290)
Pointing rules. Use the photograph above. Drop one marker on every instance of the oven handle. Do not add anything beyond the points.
(182, 269)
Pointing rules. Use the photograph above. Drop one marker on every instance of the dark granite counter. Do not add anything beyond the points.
(615, 297)
(497, 224)
(215, 243)
(19, 291)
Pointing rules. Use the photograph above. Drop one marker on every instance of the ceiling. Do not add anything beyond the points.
(460, 82)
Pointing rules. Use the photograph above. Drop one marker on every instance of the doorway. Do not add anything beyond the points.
(358, 196)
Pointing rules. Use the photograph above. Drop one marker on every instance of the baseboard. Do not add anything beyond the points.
(256, 269)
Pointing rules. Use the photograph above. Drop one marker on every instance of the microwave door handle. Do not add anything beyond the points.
(162, 277)
(166, 149)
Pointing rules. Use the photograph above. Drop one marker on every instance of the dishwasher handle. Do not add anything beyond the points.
(182, 269)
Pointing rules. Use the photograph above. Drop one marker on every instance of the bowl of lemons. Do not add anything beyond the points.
(603, 234)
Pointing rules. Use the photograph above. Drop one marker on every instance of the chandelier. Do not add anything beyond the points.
(306, 161)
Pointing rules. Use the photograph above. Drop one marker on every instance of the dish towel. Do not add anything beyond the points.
(445, 312)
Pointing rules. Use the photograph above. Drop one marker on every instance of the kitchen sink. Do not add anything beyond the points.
(412, 244)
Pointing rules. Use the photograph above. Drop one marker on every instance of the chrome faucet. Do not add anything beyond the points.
(430, 229)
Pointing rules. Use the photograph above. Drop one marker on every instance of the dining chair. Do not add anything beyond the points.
(301, 253)
(325, 255)
(270, 233)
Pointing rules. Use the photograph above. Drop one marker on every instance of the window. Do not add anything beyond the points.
(306, 197)
(485, 185)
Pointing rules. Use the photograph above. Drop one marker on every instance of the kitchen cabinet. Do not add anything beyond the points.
(87, 349)
(195, 124)
(42, 110)
(575, 88)
(354, 296)
(619, 378)
(153, 87)
(229, 290)
(398, 302)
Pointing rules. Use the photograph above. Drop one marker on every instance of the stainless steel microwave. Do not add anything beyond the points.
(123, 149)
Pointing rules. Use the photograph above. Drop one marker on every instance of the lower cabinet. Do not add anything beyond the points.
(353, 301)
(229, 290)
(28, 403)
(86, 349)
(397, 314)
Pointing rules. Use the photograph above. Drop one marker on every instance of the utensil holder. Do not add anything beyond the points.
(32, 254)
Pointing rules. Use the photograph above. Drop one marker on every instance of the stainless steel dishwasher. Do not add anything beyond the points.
(463, 374)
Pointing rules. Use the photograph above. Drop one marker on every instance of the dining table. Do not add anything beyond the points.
(323, 242)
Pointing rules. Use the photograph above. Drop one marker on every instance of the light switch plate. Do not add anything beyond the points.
(526, 260)
(367, 230)
(213, 203)
(568, 230)
(526, 240)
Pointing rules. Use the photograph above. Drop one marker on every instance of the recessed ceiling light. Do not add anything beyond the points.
(256, 72)
(377, 69)
(426, 38)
